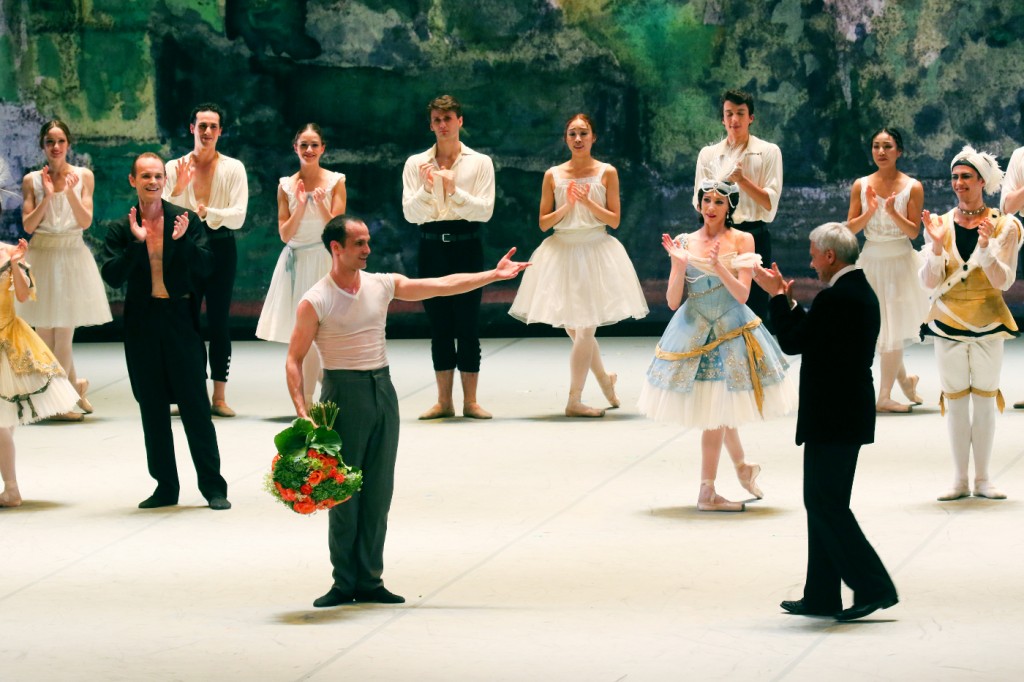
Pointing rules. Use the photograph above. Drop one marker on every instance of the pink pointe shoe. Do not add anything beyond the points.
(749, 481)
(711, 501)
(608, 388)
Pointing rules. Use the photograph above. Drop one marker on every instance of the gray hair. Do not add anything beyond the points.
(836, 236)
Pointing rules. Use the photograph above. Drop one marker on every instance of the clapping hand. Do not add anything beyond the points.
(184, 168)
(890, 204)
(138, 231)
(18, 253)
(578, 192)
(936, 230)
(737, 173)
(773, 282)
(70, 179)
(872, 199)
(713, 252)
(675, 250)
(47, 181)
(427, 175)
(985, 229)
(300, 192)
(180, 225)
(447, 176)
(319, 195)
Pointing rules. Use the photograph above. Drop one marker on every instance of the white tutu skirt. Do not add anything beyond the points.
(297, 270)
(711, 405)
(579, 279)
(892, 267)
(21, 404)
(69, 290)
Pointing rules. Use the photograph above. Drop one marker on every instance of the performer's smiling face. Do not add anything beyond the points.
(737, 119)
(966, 184)
(445, 124)
(309, 146)
(148, 178)
(354, 253)
(55, 144)
(206, 129)
(824, 262)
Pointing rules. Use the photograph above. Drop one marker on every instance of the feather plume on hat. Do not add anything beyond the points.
(716, 176)
(984, 163)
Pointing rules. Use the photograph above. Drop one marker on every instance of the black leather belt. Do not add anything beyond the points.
(447, 237)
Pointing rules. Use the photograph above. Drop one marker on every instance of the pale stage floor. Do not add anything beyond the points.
(530, 547)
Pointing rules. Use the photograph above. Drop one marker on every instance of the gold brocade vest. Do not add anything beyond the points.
(970, 298)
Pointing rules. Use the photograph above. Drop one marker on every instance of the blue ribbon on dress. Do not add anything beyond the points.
(289, 260)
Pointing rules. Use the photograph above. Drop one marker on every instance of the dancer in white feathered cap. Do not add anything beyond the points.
(970, 259)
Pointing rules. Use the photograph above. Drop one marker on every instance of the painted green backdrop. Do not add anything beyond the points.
(125, 75)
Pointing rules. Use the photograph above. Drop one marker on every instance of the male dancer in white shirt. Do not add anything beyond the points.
(448, 191)
(757, 169)
(213, 186)
(345, 314)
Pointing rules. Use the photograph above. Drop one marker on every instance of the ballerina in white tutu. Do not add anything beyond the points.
(32, 384)
(306, 201)
(887, 206)
(581, 277)
(57, 209)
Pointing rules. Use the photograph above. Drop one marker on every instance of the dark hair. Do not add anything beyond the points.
(146, 155)
(578, 117)
(895, 134)
(444, 103)
(212, 107)
(730, 201)
(738, 97)
(50, 125)
(336, 229)
(309, 126)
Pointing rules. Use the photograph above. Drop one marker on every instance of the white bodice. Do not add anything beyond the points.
(312, 224)
(59, 218)
(881, 228)
(579, 217)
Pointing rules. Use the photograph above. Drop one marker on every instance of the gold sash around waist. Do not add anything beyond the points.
(755, 355)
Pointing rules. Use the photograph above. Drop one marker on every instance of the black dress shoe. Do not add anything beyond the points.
(799, 608)
(154, 501)
(334, 597)
(219, 503)
(379, 595)
(860, 610)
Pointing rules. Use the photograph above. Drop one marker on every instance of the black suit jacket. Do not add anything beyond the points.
(837, 339)
(187, 260)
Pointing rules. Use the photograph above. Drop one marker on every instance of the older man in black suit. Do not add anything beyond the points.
(159, 252)
(837, 415)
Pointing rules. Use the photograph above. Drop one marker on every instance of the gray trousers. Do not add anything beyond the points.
(368, 425)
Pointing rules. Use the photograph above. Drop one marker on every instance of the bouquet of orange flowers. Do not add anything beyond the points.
(307, 473)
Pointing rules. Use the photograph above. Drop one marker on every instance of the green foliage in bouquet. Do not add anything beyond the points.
(307, 473)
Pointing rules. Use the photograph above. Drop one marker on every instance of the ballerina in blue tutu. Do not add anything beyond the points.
(716, 366)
